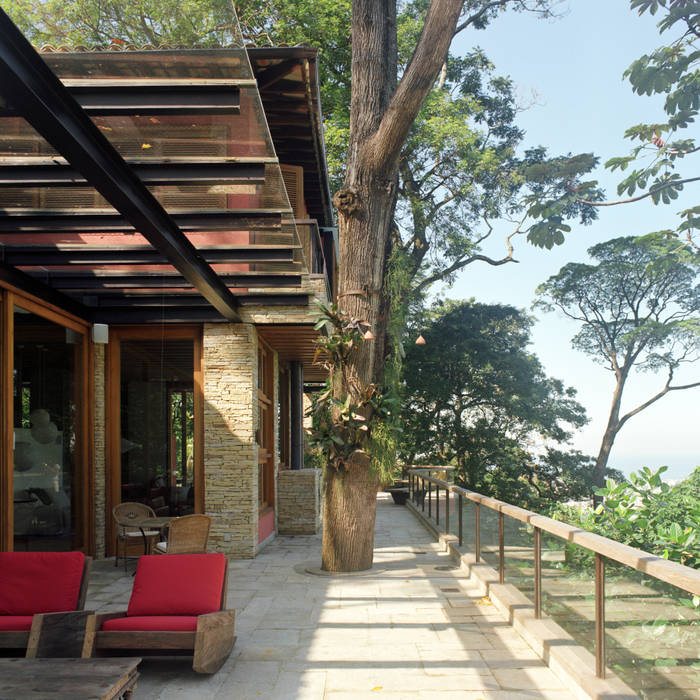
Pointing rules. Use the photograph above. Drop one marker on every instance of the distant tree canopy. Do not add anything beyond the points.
(476, 398)
(639, 307)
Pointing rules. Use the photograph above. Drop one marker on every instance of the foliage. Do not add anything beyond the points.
(663, 149)
(93, 23)
(638, 308)
(474, 397)
(349, 416)
(635, 512)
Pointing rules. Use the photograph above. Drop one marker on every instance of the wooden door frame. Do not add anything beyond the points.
(84, 499)
(113, 412)
(268, 498)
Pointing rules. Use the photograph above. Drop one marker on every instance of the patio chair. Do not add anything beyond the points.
(177, 607)
(186, 535)
(125, 515)
(40, 593)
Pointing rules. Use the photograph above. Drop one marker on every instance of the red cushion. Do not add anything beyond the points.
(177, 584)
(37, 582)
(157, 623)
(15, 622)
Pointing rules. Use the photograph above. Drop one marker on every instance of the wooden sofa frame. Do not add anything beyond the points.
(210, 645)
(54, 634)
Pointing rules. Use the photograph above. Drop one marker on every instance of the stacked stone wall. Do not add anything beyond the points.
(298, 504)
(230, 450)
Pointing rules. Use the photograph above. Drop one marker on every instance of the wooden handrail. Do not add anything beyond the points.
(676, 574)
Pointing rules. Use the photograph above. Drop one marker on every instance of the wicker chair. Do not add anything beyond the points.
(124, 515)
(186, 535)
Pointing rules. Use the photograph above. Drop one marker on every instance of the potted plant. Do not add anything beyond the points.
(399, 487)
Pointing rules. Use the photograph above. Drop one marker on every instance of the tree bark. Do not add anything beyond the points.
(349, 509)
(611, 430)
(381, 115)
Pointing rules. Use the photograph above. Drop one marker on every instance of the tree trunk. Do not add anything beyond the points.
(349, 509)
(381, 115)
(611, 430)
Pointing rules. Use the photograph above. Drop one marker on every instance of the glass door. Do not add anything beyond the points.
(154, 394)
(49, 479)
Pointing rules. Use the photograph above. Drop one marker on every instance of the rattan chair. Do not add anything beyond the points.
(186, 535)
(125, 514)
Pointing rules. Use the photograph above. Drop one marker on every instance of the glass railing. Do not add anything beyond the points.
(637, 613)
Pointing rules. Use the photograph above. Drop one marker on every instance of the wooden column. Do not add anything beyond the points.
(296, 401)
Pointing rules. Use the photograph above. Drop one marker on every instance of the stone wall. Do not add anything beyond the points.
(230, 451)
(298, 504)
(99, 455)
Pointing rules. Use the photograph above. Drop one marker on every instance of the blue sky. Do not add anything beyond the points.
(574, 64)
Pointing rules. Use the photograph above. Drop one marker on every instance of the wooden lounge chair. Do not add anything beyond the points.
(177, 607)
(39, 594)
(186, 535)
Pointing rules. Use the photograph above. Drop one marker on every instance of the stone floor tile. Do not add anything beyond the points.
(405, 629)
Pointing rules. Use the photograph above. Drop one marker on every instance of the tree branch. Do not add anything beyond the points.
(418, 79)
(673, 183)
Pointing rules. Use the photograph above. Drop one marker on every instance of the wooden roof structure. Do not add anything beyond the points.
(142, 186)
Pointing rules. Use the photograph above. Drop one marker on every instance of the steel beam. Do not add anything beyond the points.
(61, 175)
(31, 88)
(69, 280)
(90, 221)
(118, 100)
(47, 256)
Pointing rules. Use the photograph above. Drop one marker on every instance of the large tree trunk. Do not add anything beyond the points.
(611, 430)
(381, 115)
(349, 508)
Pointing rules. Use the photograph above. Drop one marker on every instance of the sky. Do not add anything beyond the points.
(574, 66)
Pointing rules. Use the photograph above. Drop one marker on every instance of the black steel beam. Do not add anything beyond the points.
(134, 255)
(157, 315)
(73, 280)
(60, 175)
(87, 221)
(28, 284)
(117, 100)
(31, 88)
(154, 299)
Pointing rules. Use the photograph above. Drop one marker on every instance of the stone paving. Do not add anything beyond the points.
(412, 627)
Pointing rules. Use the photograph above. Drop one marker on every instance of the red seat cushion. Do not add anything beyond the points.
(177, 584)
(37, 582)
(157, 623)
(15, 622)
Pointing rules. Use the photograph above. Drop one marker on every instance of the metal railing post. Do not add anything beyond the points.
(430, 499)
(422, 499)
(538, 573)
(599, 615)
(501, 550)
(477, 547)
(447, 511)
(461, 532)
(437, 505)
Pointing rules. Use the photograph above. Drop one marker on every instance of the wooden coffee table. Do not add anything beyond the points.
(68, 679)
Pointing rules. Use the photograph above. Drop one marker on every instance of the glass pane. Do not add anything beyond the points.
(489, 536)
(157, 424)
(568, 588)
(46, 433)
(468, 525)
(652, 635)
(519, 555)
